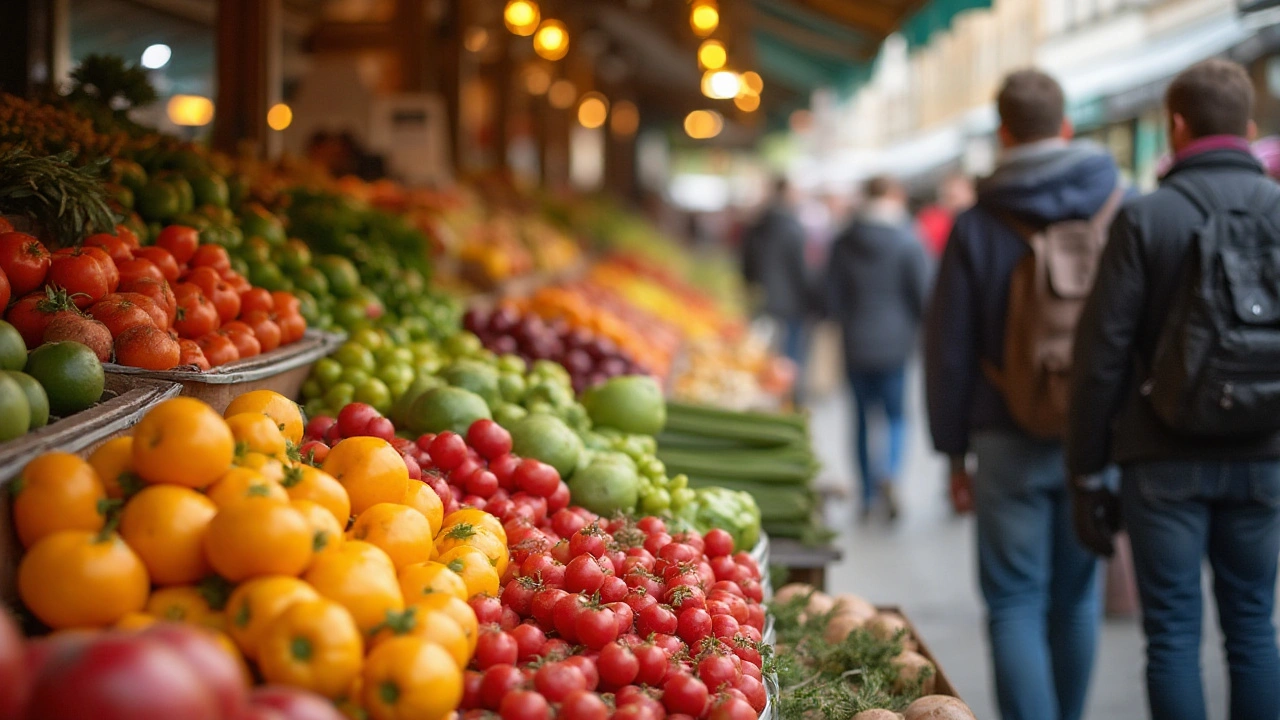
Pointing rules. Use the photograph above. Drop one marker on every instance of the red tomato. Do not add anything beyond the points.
(499, 681)
(212, 256)
(161, 258)
(5, 290)
(719, 543)
(214, 665)
(14, 674)
(686, 694)
(596, 627)
(538, 478)
(130, 239)
(119, 314)
(120, 677)
(189, 353)
(224, 297)
(32, 313)
(256, 299)
(489, 438)
(495, 647)
(544, 604)
(294, 704)
(524, 705)
(237, 281)
(652, 664)
(556, 680)
(115, 248)
(587, 666)
(81, 274)
(138, 268)
(583, 574)
(108, 266)
(218, 349)
(264, 328)
(617, 665)
(242, 335)
(285, 302)
(24, 261)
(583, 705)
(158, 292)
(529, 640)
(147, 347)
(181, 242)
(733, 708)
(196, 316)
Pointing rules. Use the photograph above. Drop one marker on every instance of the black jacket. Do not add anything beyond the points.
(877, 279)
(773, 264)
(1137, 280)
(1038, 185)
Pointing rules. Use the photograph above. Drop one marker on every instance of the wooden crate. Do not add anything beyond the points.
(282, 370)
(123, 403)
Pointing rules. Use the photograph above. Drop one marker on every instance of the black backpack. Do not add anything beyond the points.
(1216, 369)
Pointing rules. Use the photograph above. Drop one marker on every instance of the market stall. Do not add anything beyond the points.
(283, 443)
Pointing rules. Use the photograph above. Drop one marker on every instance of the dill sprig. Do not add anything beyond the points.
(67, 202)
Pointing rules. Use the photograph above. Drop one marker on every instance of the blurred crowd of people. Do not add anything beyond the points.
(1094, 358)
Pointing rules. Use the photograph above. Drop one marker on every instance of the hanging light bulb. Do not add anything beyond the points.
(552, 40)
(521, 17)
(279, 117)
(720, 84)
(712, 55)
(704, 18)
(593, 109)
(190, 110)
(703, 124)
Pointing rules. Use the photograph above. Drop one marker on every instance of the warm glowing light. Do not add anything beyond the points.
(190, 110)
(476, 40)
(279, 117)
(753, 82)
(562, 94)
(552, 40)
(720, 84)
(625, 119)
(711, 55)
(521, 17)
(593, 110)
(704, 18)
(703, 124)
(537, 80)
(747, 101)
(156, 56)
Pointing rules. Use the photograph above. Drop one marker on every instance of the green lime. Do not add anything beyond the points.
(158, 200)
(311, 280)
(266, 275)
(396, 375)
(70, 373)
(210, 189)
(308, 308)
(237, 189)
(122, 195)
(255, 250)
(129, 174)
(354, 355)
(351, 314)
(376, 393)
(186, 196)
(343, 277)
(339, 396)
(257, 220)
(463, 344)
(311, 389)
(13, 351)
(326, 372)
(369, 338)
(36, 398)
(355, 377)
(316, 407)
(15, 412)
(293, 256)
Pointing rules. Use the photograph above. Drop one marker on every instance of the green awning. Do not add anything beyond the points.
(936, 16)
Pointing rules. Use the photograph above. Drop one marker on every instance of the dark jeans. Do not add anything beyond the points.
(879, 391)
(1176, 514)
(1040, 585)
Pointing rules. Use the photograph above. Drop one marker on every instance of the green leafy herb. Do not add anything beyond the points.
(67, 202)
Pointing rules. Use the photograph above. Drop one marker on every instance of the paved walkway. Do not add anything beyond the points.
(925, 564)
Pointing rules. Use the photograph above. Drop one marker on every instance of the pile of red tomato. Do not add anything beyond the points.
(177, 302)
(619, 620)
(163, 672)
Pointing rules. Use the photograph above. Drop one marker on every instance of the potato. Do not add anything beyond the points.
(840, 627)
(939, 707)
(886, 626)
(790, 591)
(877, 714)
(911, 666)
(855, 604)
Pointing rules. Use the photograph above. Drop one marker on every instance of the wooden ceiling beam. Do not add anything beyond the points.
(809, 40)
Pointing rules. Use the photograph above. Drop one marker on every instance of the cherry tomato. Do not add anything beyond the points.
(544, 605)
(448, 451)
(265, 330)
(717, 671)
(618, 665)
(488, 609)
(596, 627)
(499, 681)
(223, 297)
(529, 640)
(685, 694)
(242, 335)
(489, 438)
(536, 478)
(694, 624)
(556, 680)
(652, 664)
(495, 647)
(524, 705)
(583, 574)
(583, 705)
(719, 543)
(656, 619)
(587, 666)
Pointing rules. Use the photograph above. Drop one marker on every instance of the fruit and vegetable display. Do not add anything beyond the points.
(839, 658)
(767, 455)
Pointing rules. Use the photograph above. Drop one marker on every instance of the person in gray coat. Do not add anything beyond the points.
(877, 283)
(773, 266)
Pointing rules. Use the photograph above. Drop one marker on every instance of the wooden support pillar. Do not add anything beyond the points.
(620, 166)
(249, 38)
(35, 47)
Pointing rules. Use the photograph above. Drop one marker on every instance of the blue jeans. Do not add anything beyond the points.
(1176, 513)
(882, 390)
(1040, 585)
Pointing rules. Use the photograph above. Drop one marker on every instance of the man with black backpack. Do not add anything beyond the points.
(1012, 283)
(1177, 379)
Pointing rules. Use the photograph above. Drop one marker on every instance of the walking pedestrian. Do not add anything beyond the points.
(1177, 379)
(773, 265)
(877, 280)
(998, 338)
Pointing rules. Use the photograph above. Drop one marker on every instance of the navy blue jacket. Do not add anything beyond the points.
(1038, 185)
